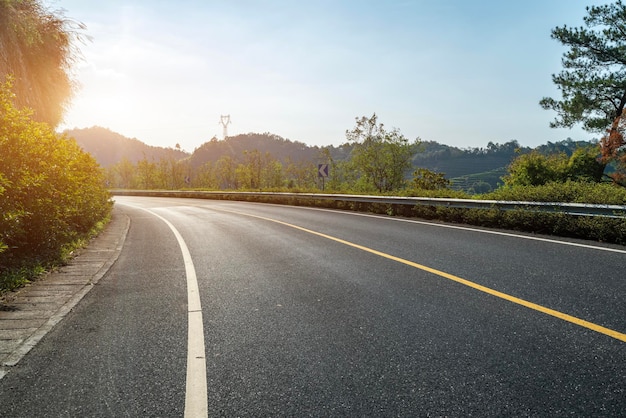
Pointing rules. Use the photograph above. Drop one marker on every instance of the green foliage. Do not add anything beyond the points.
(569, 191)
(235, 147)
(37, 49)
(479, 182)
(456, 162)
(381, 157)
(585, 164)
(53, 192)
(429, 180)
(611, 230)
(593, 81)
(594, 228)
(255, 171)
(15, 278)
(534, 168)
(442, 193)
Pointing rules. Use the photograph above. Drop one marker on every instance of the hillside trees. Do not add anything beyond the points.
(593, 81)
(536, 169)
(36, 48)
(424, 179)
(341, 175)
(254, 171)
(300, 175)
(376, 159)
(382, 157)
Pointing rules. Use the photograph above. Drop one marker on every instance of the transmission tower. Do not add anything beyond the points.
(225, 121)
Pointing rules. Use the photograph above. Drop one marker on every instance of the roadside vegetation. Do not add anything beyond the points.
(375, 160)
(52, 194)
(379, 164)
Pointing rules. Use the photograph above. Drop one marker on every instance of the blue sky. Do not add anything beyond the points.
(459, 72)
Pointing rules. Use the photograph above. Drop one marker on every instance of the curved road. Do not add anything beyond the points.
(311, 312)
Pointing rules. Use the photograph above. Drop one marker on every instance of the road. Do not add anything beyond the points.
(310, 312)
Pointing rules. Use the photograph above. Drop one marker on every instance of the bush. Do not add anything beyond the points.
(535, 169)
(52, 192)
(569, 192)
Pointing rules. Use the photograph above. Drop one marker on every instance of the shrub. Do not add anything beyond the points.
(52, 192)
(570, 192)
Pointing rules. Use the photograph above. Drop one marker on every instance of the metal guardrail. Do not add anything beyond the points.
(579, 209)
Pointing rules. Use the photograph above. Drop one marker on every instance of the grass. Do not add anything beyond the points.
(14, 278)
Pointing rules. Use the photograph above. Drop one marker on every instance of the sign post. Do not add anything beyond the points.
(322, 172)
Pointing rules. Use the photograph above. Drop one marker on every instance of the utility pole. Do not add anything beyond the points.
(224, 121)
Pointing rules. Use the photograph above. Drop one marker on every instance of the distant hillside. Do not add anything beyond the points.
(469, 169)
(109, 148)
(279, 148)
(456, 162)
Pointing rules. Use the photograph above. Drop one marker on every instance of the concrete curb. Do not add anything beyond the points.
(34, 310)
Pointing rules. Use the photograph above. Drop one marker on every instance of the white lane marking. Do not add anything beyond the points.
(467, 228)
(196, 401)
(449, 226)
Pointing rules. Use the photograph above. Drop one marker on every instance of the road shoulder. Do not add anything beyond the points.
(31, 312)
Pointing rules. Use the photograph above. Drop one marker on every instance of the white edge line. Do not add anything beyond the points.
(465, 228)
(460, 227)
(196, 383)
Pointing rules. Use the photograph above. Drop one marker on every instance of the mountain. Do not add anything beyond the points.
(109, 148)
(469, 169)
(279, 148)
(481, 169)
(456, 162)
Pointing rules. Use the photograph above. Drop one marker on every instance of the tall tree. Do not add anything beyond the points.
(383, 157)
(593, 79)
(37, 50)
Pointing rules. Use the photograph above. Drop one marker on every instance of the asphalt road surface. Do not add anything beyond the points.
(310, 312)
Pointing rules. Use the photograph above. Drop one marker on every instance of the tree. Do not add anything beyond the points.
(204, 176)
(225, 172)
(613, 147)
(585, 165)
(535, 168)
(147, 174)
(301, 175)
(593, 81)
(126, 173)
(37, 50)
(383, 157)
(424, 179)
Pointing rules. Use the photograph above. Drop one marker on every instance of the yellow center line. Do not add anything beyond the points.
(565, 317)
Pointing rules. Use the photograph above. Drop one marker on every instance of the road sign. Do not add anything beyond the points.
(322, 170)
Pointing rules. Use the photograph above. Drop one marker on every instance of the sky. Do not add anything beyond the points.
(460, 72)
